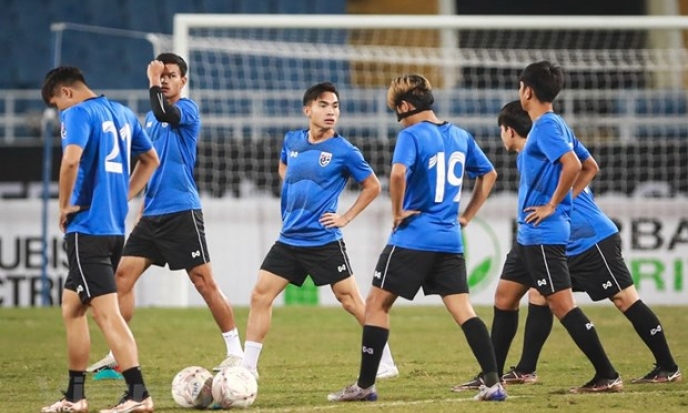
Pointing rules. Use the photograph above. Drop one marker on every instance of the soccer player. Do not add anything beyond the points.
(171, 230)
(315, 165)
(425, 249)
(549, 168)
(596, 267)
(95, 186)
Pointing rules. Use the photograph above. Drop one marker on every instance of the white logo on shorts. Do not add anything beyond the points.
(606, 285)
(341, 268)
(542, 282)
(79, 289)
(195, 254)
(377, 274)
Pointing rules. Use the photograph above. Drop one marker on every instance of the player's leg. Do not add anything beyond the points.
(140, 251)
(398, 272)
(329, 264)
(512, 285)
(604, 274)
(448, 279)
(538, 327)
(549, 268)
(78, 348)
(279, 268)
(347, 293)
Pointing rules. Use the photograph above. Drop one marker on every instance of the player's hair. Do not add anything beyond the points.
(412, 88)
(315, 91)
(545, 78)
(58, 77)
(513, 116)
(173, 59)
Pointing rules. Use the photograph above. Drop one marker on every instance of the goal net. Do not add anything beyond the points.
(625, 98)
(625, 93)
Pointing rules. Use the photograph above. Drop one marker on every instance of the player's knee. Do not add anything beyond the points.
(260, 298)
(348, 302)
(624, 299)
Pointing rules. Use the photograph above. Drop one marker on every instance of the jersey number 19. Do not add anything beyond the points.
(446, 173)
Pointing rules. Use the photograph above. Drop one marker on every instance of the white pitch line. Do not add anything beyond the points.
(338, 405)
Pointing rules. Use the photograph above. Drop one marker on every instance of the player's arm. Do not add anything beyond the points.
(163, 111)
(570, 167)
(282, 169)
(481, 190)
(146, 164)
(69, 168)
(589, 169)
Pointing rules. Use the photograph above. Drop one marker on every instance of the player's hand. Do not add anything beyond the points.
(154, 71)
(66, 214)
(332, 220)
(539, 213)
(399, 219)
(463, 221)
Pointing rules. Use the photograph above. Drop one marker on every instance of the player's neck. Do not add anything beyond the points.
(538, 109)
(317, 135)
(424, 116)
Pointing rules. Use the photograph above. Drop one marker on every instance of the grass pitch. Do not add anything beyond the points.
(312, 351)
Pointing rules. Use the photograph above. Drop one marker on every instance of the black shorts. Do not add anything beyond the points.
(326, 264)
(600, 271)
(92, 263)
(403, 271)
(176, 239)
(540, 266)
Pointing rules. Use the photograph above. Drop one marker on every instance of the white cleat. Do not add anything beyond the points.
(387, 372)
(107, 362)
(229, 361)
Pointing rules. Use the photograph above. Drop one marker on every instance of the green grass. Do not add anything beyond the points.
(313, 351)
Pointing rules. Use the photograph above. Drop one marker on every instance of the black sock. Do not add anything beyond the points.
(583, 333)
(504, 327)
(136, 388)
(374, 340)
(75, 388)
(538, 326)
(479, 340)
(649, 329)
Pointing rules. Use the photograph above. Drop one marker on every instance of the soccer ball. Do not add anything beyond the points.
(192, 387)
(234, 387)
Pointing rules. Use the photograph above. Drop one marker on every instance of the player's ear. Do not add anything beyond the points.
(307, 111)
(184, 80)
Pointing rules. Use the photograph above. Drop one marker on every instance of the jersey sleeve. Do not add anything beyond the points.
(405, 149)
(580, 150)
(357, 166)
(477, 163)
(76, 127)
(189, 112)
(140, 141)
(552, 141)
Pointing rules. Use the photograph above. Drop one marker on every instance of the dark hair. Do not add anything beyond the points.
(545, 78)
(315, 91)
(57, 77)
(173, 59)
(513, 116)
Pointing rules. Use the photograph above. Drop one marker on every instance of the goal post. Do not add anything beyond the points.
(625, 98)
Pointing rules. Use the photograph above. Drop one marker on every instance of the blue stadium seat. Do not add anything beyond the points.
(669, 103)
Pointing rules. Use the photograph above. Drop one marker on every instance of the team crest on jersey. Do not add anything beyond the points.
(325, 158)
(63, 131)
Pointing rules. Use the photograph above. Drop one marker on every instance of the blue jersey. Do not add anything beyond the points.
(589, 225)
(538, 164)
(108, 133)
(436, 158)
(172, 187)
(316, 175)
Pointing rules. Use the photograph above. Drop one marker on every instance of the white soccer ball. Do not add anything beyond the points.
(234, 387)
(192, 387)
